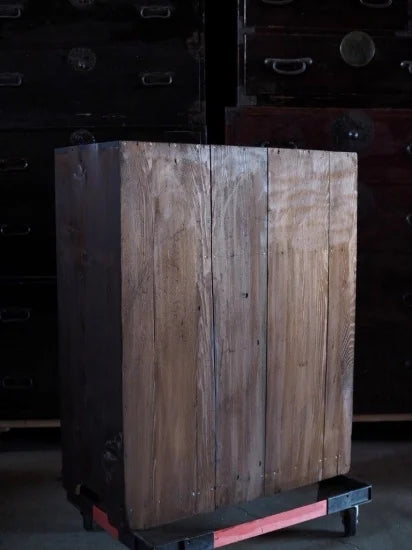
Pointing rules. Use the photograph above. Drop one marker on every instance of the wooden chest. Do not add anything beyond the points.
(206, 303)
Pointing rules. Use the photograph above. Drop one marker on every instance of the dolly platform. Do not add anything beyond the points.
(339, 494)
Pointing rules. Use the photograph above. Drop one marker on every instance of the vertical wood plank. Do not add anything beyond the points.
(239, 241)
(88, 233)
(341, 315)
(297, 316)
(167, 329)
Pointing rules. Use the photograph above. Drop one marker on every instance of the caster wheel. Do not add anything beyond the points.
(87, 522)
(350, 521)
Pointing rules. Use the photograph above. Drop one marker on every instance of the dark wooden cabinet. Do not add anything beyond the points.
(76, 72)
(28, 338)
(291, 68)
(383, 371)
(156, 85)
(382, 15)
(382, 139)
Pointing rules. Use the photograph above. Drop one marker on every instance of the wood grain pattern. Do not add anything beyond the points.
(239, 206)
(297, 316)
(341, 313)
(167, 322)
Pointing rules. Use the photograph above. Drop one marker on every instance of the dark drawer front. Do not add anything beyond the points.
(385, 219)
(381, 137)
(148, 85)
(28, 337)
(57, 21)
(383, 368)
(327, 14)
(284, 67)
(384, 288)
(27, 228)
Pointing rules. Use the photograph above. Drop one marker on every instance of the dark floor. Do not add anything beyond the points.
(34, 514)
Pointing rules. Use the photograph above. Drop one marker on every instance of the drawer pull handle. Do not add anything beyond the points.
(155, 12)
(15, 314)
(407, 299)
(407, 65)
(289, 65)
(13, 164)
(409, 219)
(409, 148)
(10, 12)
(17, 382)
(15, 230)
(384, 4)
(11, 80)
(157, 79)
(353, 134)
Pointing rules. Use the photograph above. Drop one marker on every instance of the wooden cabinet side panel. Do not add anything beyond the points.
(341, 313)
(88, 253)
(297, 316)
(168, 375)
(239, 241)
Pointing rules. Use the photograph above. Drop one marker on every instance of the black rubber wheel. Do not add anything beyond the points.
(350, 521)
(87, 522)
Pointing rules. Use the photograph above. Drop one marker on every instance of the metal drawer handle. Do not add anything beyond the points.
(17, 382)
(302, 62)
(13, 164)
(155, 12)
(384, 4)
(353, 134)
(15, 230)
(407, 65)
(12, 80)
(407, 299)
(409, 148)
(157, 79)
(15, 314)
(10, 11)
(409, 219)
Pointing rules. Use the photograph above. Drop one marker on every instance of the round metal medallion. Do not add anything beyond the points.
(82, 59)
(353, 131)
(357, 49)
(81, 137)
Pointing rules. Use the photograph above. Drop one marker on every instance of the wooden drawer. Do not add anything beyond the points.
(385, 218)
(281, 67)
(383, 368)
(327, 14)
(145, 84)
(384, 288)
(27, 230)
(28, 339)
(28, 22)
(381, 137)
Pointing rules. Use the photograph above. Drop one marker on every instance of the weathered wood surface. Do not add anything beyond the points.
(341, 314)
(297, 316)
(217, 285)
(168, 374)
(239, 237)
